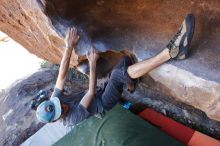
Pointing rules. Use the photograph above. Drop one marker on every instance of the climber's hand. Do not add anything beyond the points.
(92, 56)
(72, 37)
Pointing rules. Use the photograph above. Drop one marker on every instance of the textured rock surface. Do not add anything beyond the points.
(146, 96)
(144, 27)
(17, 120)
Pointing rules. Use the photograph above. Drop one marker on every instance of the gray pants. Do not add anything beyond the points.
(114, 88)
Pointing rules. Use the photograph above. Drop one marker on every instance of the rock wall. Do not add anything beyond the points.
(18, 121)
(143, 27)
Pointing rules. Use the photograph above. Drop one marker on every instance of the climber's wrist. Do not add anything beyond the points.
(70, 46)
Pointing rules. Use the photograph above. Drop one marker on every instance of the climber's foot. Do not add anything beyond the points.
(179, 45)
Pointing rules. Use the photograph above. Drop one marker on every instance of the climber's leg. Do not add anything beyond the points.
(117, 80)
(177, 48)
(141, 68)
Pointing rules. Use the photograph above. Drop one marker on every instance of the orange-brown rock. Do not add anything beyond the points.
(143, 27)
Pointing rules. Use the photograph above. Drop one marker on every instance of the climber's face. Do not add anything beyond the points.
(65, 110)
(49, 110)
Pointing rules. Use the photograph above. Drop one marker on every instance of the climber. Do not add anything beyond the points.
(125, 73)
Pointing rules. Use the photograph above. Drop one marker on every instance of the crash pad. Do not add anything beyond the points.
(119, 127)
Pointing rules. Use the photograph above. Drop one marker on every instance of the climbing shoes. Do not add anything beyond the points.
(179, 45)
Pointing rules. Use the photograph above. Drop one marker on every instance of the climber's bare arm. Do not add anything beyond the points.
(71, 41)
(88, 97)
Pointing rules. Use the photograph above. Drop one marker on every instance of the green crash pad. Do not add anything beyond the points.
(119, 127)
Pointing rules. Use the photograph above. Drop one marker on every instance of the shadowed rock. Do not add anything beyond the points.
(143, 27)
(18, 121)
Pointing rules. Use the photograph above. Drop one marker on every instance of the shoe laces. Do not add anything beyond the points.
(176, 36)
